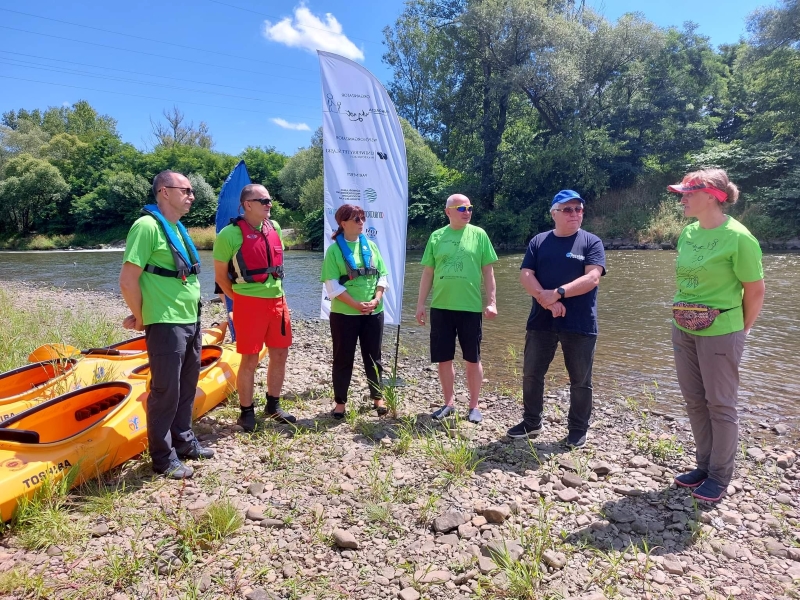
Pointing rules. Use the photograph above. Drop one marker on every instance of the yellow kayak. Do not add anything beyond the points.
(67, 369)
(95, 428)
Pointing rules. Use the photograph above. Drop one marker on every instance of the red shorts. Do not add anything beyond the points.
(261, 322)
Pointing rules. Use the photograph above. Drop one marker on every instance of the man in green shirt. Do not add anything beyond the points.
(159, 284)
(248, 267)
(456, 258)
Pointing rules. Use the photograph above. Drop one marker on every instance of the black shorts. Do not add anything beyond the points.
(446, 325)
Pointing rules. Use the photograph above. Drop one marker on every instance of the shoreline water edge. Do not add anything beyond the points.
(401, 507)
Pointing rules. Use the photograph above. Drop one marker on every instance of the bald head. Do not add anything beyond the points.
(456, 200)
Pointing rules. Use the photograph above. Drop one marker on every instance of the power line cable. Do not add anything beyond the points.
(187, 60)
(170, 77)
(259, 13)
(54, 69)
(153, 41)
(77, 87)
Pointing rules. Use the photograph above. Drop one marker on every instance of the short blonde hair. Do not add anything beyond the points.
(716, 178)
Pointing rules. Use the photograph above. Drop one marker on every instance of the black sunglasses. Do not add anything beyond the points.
(187, 191)
(262, 201)
(358, 220)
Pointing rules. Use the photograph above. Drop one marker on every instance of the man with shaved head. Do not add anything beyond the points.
(248, 267)
(456, 259)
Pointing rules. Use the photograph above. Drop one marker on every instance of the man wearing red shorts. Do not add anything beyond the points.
(248, 266)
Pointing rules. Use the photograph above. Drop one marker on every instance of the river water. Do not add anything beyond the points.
(633, 351)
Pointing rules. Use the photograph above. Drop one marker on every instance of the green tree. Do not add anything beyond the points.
(204, 208)
(304, 166)
(30, 191)
(116, 201)
(264, 165)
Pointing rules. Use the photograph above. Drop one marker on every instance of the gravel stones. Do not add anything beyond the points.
(497, 514)
(556, 560)
(571, 480)
(345, 539)
(568, 495)
(447, 522)
(408, 594)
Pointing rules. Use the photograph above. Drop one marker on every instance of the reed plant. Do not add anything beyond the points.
(203, 237)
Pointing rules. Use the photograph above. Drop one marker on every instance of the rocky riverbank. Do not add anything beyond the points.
(401, 507)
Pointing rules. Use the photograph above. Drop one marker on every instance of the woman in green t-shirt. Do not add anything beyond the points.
(355, 279)
(720, 284)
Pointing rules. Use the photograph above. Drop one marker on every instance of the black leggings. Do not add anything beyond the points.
(346, 330)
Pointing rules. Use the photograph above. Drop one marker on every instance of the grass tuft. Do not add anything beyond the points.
(42, 520)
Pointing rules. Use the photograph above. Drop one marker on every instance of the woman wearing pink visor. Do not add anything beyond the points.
(720, 284)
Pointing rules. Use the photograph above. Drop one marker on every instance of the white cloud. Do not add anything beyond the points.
(309, 32)
(286, 125)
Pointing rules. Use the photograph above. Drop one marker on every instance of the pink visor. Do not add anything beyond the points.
(692, 186)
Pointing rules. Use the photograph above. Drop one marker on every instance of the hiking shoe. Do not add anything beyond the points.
(444, 412)
(194, 451)
(575, 439)
(176, 470)
(280, 415)
(247, 419)
(474, 416)
(710, 490)
(691, 479)
(523, 430)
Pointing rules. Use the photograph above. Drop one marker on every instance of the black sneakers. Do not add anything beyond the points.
(523, 430)
(575, 439)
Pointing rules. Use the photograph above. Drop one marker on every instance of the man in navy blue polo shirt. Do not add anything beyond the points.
(561, 270)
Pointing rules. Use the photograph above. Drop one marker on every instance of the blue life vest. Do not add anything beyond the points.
(350, 261)
(185, 265)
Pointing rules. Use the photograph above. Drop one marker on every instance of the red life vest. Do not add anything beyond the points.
(260, 256)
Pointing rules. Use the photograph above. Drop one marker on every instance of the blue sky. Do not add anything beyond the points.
(246, 68)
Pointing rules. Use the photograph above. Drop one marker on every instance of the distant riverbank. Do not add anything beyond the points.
(203, 238)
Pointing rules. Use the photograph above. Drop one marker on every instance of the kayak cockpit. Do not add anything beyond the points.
(31, 376)
(209, 356)
(61, 418)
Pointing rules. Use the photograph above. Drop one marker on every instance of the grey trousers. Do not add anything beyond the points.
(174, 353)
(708, 375)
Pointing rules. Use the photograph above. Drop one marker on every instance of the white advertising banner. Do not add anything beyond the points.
(364, 158)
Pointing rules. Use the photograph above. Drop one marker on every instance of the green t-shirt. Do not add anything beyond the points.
(457, 257)
(164, 299)
(227, 244)
(362, 289)
(710, 269)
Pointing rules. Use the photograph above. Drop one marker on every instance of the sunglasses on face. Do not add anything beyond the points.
(186, 191)
(358, 220)
(462, 209)
(262, 201)
(570, 209)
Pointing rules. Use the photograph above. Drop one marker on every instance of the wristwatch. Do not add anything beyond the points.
(561, 292)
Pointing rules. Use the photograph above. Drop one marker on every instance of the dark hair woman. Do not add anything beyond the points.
(720, 284)
(355, 279)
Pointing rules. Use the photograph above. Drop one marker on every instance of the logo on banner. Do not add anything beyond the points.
(371, 232)
(370, 195)
(382, 155)
(333, 106)
(373, 214)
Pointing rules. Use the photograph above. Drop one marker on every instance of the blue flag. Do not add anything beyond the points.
(228, 204)
(228, 208)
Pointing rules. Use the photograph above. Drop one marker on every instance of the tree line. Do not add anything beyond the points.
(525, 97)
(507, 101)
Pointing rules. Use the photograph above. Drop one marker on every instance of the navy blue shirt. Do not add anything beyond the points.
(556, 261)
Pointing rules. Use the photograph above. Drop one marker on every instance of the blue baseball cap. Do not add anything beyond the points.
(565, 196)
